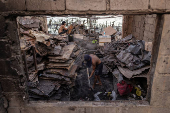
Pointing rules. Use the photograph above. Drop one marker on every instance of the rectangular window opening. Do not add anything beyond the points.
(57, 51)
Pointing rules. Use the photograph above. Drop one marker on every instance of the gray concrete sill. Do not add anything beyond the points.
(123, 103)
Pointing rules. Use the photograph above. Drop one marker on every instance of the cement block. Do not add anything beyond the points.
(45, 5)
(5, 51)
(154, 15)
(4, 68)
(151, 20)
(12, 5)
(10, 85)
(152, 28)
(101, 110)
(159, 110)
(147, 27)
(136, 109)
(138, 30)
(138, 18)
(168, 4)
(148, 16)
(86, 5)
(52, 109)
(157, 4)
(13, 110)
(15, 100)
(146, 33)
(3, 25)
(160, 94)
(129, 4)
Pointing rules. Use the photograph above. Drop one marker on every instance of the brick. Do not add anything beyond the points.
(128, 4)
(12, 5)
(86, 5)
(165, 45)
(45, 5)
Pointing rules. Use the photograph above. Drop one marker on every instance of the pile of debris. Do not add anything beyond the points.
(126, 58)
(49, 62)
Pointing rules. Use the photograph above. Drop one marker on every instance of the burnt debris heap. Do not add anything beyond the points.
(49, 61)
(53, 65)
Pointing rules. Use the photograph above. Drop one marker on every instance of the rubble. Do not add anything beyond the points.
(49, 61)
(127, 59)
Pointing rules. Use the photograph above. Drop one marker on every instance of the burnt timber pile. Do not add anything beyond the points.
(48, 61)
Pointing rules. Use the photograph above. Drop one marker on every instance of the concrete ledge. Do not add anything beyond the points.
(83, 5)
(88, 104)
(129, 4)
(45, 5)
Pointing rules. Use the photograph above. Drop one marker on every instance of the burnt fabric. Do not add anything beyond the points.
(124, 88)
(98, 70)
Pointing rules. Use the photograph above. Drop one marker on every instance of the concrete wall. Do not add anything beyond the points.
(11, 72)
(142, 27)
(93, 6)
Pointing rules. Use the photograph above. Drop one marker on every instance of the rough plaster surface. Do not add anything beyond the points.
(83, 5)
(158, 4)
(129, 4)
(11, 69)
(45, 5)
(144, 6)
(160, 94)
(15, 5)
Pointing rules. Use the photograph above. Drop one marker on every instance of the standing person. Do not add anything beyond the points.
(62, 28)
(97, 65)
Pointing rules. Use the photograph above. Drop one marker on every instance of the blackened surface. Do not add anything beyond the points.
(3, 26)
(4, 50)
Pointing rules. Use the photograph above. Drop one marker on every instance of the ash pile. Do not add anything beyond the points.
(129, 62)
(49, 61)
